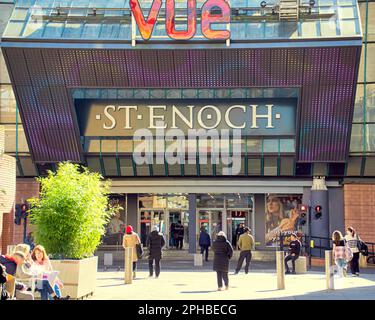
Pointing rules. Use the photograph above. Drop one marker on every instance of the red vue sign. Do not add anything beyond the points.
(146, 26)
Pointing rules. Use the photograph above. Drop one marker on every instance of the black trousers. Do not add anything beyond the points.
(293, 258)
(354, 263)
(134, 266)
(203, 249)
(151, 266)
(246, 254)
(221, 275)
(179, 242)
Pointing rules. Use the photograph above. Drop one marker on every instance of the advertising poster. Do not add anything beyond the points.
(116, 226)
(282, 217)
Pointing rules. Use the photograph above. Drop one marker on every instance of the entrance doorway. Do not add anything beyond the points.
(211, 220)
(163, 210)
(178, 216)
(236, 217)
(149, 219)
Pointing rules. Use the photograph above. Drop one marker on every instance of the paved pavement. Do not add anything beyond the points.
(188, 283)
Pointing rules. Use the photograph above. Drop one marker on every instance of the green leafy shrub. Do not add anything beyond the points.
(71, 213)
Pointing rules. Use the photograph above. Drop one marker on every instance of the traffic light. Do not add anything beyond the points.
(303, 213)
(318, 212)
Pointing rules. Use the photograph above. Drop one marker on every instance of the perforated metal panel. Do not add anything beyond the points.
(119, 70)
(69, 66)
(135, 71)
(86, 67)
(198, 69)
(326, 78)
(182, 69)
(103, 69)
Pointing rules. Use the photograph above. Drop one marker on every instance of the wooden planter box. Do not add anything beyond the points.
(78, 276)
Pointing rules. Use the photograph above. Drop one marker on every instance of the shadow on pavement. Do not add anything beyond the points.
(207, 291)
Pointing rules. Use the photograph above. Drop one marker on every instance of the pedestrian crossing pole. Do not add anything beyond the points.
(128, 265)
(280, 270)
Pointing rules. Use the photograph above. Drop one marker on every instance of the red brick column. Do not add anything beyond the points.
(359, 204)
(12, 233)
(7, 189)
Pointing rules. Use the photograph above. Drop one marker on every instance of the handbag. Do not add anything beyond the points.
(348, 253)
(139, 250)
(362, 247)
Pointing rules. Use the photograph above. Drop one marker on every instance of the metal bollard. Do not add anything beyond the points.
(128, 265)
(198, 260)
(280, 269)
(330, 283)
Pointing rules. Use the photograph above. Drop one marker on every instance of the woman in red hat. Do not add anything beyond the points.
(131, 239)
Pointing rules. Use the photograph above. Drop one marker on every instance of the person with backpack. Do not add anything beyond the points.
(354, 242)
(341, 253)
(155, 243)
(204, 242)
(294, 252)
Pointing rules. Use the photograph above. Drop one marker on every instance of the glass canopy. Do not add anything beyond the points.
(111, 20)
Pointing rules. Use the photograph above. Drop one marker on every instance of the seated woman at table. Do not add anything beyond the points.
(41, 264)
(24, 272)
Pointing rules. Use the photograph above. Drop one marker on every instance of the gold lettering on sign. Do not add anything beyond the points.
(110, 117)
(267, 116)
(188, 122)
(152, 117)
(127, 115)
(227, 117)
(218, 117)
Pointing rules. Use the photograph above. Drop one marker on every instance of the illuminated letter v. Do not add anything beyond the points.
(145, 28)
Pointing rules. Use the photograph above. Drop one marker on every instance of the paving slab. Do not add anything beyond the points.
(257, 284)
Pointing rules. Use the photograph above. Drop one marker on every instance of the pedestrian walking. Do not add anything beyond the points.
(239, 231)
(341, 253)
(179, 235)
(204, 242)
(172, 241)
(223, 252)
(294, 252)
(155, 243)
(131, 239)
(353, 242)
(245, 244)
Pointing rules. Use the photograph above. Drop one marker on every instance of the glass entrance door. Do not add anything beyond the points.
(182, 217)
(211, 220)
(235, 218)
(149, 219)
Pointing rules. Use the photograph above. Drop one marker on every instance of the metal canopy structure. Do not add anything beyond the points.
(43, 80)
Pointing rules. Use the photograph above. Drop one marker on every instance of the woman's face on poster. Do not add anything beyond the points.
(273, 206)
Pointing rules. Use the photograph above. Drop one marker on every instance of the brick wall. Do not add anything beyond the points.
(359, 204)
(7, 189)
(12, 233)
(7, 182)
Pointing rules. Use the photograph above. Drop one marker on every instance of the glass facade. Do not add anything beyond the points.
(37, 19)
(15, 139)
(362, 146)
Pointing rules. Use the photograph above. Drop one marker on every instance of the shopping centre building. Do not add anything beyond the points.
(292, 83)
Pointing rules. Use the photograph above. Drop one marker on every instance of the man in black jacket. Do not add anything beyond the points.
(155, 243)
(179, 230)
(294, 252)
